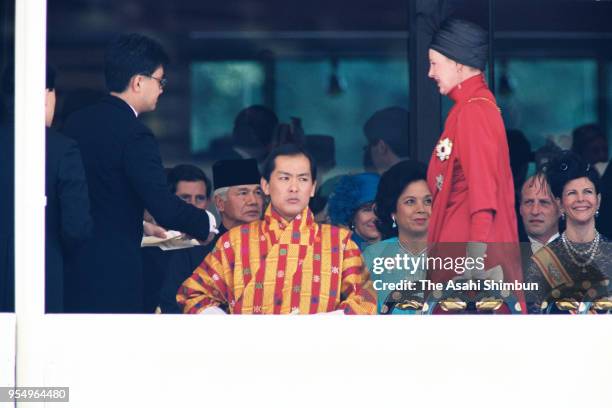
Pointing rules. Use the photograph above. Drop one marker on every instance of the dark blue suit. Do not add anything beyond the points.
(67, 219)
(7, 216)
(125, 175)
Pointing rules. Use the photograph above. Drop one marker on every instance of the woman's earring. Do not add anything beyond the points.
(394, 224)
(596, 213)
(563, 216)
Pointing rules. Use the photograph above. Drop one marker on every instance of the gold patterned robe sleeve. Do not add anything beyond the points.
(208, 285)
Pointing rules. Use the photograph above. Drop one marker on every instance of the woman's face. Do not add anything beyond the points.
(413, 209)
(444, 71)
(365, 223)
(579, 201)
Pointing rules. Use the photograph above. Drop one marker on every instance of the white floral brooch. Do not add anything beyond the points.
(444, 149)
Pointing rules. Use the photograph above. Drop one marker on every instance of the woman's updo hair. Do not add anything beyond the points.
(568, 166)
(391, 185)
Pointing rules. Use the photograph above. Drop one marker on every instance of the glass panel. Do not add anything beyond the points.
(220, 90)
(307, 89)
(547, 98)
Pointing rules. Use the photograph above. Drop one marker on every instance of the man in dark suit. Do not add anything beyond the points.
(7, 191)
(125, 175)
(191, 185)
(604, 221)
(67, 219)
(540, 215)
(239, 200)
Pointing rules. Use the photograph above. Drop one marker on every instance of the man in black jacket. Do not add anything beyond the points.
(67, 219)
(239, 200)
(125, 175)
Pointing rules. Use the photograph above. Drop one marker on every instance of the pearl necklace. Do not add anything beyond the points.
(405, 248)
(590, 252)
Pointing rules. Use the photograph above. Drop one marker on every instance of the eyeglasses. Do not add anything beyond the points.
(161, 81)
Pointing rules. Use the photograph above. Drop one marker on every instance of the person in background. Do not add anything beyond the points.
(191, 185)
(591, 143)
(238, 196)
(67, 219)
(520, 157)
(387, 132)
(7, 187)
(351, 205)
(403, 207)
(539, 212)
(252, 135)
(604, 222)
(285, 263)
(239, 200)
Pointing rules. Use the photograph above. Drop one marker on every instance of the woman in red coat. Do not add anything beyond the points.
(469, 172)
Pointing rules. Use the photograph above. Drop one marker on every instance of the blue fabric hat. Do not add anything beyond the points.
(350, 193)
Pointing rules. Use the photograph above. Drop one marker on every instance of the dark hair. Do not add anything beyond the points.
(519, 148)
(391, 185)
(7, 87)
(289, 133)
(8, 78)
(566, 167)
(254, 126)
(129, 55)
(287, 150)
(391, 125)
(187, 172)
(583, 135)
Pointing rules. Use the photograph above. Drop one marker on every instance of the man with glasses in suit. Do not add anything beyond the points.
(125, 175)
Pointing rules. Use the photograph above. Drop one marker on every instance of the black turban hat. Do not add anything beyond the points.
(229, 173)
(462, 41)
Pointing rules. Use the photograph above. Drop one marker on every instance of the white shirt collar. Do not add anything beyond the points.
(134, 110)
(537, 245)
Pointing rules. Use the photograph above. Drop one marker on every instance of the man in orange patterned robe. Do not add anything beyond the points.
(285, 263)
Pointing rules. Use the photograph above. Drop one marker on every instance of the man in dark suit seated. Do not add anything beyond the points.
(191, 185)
(239, 200)
(125, 175)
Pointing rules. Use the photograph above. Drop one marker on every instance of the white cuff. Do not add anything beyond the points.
(214, 310)
(213, 222)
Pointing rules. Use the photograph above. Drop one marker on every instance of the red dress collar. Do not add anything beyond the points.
(467, 88)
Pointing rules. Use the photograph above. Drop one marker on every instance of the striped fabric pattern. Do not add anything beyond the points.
(275, 267)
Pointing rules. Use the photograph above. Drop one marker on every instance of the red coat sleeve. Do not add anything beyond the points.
(478, 150)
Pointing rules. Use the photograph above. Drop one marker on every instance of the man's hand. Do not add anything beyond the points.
(151, 229)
